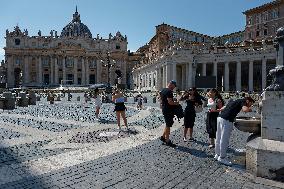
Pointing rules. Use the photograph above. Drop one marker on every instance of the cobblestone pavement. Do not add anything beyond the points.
(34, 156)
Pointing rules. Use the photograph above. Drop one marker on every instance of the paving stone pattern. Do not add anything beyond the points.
(150, 165)
(94, 136)
(24, 152)
(8, 134)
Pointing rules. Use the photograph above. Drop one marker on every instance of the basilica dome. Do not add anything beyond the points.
(76, 28)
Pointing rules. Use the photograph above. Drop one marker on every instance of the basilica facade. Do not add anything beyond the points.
(238, 61)
(72, 57)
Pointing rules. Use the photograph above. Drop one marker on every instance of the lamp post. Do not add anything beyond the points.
(108, 65)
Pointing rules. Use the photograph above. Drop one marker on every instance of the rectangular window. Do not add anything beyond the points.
(93, 64)
(45, 62)
(266, 16)
(265, 32)
(249, 35)
(69, 63)
(257, 33)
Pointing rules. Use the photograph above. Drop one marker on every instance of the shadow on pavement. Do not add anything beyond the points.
(192, 151)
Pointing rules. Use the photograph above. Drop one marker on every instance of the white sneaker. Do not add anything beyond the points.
(184, 139)
(216, 156)
(224, 161)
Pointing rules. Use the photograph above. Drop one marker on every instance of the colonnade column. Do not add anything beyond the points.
(83, 71)
(164, 76)
(56, 80)
(226, 82)
(174, 72)
(152, 80)
(137, 81)
(26, 69)
(39, 72)
(183, 76)
(158, 78)
(189, 75)
(75, 68)
(263, 74)
(204, 69)
(168, 73)
(215, 68)
(251, 75)
(239, 76)
(10, 72)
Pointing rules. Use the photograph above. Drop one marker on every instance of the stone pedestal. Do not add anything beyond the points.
(23, 100)
(272, 122)
(265, 154)
(32, 98)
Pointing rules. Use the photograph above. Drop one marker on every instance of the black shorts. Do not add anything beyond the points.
(119, 107)
(189, 120)
(169, 119)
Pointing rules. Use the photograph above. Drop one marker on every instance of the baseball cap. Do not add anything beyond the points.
(173, 82)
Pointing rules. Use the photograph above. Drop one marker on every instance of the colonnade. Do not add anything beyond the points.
(185, 74)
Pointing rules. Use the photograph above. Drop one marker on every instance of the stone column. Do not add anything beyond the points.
(215, 68)
(152, 80)
(10, 72)
(26, 70)
(164, 76)
(183, 76)
(64, 69)
(239, 76)
(87, 71)
(158, 78)
(83, 71)
(227, 82)
(75, 68)
(168, 73)
(204, 69)
(263, 74)
(139, 82)
(190, 75)
(250, 75)
(39, 71)
(56, 79)
(174, 72)
(52, 70)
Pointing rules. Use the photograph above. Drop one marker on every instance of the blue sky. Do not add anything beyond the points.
(135, 18)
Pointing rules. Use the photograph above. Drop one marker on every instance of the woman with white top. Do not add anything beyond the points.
(120, 108)
(215, 103)
(98, 103)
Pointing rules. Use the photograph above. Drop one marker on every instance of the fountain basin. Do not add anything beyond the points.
(248, 124)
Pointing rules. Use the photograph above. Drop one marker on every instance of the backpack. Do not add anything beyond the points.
(178, 111)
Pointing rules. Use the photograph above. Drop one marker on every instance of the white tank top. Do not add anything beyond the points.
(211, 104)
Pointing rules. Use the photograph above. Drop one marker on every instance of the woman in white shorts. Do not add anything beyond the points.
(98, 103)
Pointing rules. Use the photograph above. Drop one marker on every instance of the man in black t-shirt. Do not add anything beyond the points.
(168, 106)
(225, 126)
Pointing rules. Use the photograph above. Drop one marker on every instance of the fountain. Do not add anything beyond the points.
(265, 154)
(248, 124)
